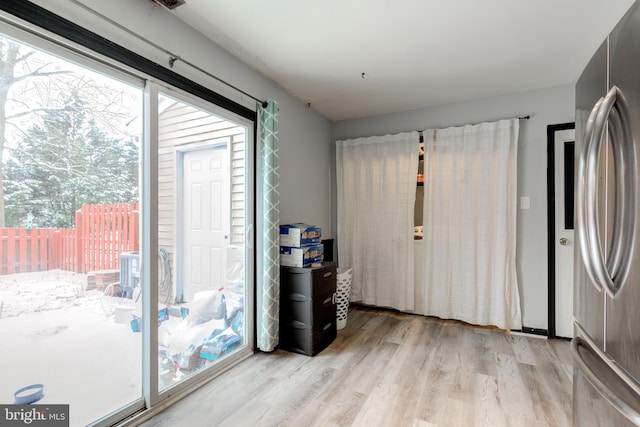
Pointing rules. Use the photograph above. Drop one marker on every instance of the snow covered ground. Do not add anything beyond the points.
(55, 333)
(41, 291)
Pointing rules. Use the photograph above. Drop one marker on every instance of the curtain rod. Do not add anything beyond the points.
(172, 56)
(527, 117)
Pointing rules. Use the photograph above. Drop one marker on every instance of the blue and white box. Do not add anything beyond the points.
(305, 256)
(299, 235)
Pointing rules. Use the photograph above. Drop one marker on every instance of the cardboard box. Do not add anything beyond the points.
(301, 257)
(299, 235)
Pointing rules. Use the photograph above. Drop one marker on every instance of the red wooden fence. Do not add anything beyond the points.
(102, 233)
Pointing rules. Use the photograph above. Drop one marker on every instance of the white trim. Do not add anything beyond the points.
(149, 245)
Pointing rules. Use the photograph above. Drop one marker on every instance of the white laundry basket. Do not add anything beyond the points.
(343, 289)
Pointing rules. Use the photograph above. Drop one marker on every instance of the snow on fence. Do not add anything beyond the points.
(101, 234)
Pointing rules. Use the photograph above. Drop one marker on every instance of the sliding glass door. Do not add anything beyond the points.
(126, 262)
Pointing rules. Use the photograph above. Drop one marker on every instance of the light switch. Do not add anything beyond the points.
(525, 203)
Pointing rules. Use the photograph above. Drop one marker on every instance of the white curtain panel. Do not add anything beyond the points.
(470, 203)
(376, 180)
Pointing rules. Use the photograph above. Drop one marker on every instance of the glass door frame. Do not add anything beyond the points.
(29, 35)
(149, 245)
(46, 35)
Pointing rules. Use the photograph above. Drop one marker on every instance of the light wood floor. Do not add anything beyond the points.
(392, 369)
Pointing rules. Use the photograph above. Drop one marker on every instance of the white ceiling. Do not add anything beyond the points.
(414, 53)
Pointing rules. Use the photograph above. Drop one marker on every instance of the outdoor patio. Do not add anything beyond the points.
(55, 333)
(59, 332)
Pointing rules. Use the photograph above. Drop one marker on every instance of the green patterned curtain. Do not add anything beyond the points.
(268, 228)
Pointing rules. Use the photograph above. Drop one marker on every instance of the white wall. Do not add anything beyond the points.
(547, 106)
(305, 154)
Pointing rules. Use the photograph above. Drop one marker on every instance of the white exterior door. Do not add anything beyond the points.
(564, 242)
(205, 217)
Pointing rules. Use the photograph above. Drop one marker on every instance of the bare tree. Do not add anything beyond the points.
(36, 84)
(11, 56)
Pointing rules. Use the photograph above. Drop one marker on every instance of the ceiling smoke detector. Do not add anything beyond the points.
(170, 4)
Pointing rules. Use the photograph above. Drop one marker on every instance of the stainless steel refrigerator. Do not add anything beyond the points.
(606, 345)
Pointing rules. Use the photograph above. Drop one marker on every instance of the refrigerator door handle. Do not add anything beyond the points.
(610, 273)
(583, 240)
(624, 154)
(606, 392)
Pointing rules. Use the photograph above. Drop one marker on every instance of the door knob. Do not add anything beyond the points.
(564, 241)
